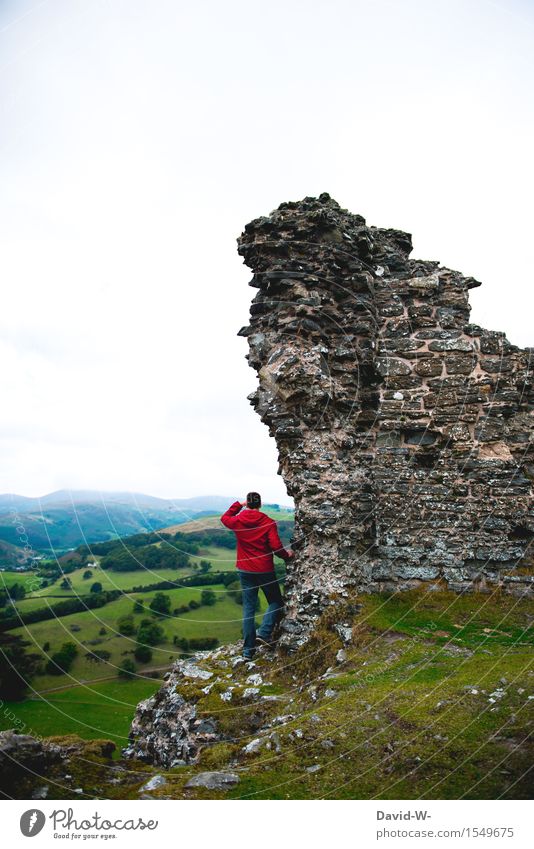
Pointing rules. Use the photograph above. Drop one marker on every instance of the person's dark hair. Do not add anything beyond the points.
(253, 500)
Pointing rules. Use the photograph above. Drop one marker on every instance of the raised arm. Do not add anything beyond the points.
(230, 518)
(276, 544)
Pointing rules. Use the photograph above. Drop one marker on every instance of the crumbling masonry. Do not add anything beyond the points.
(404, 435)
(404, 432)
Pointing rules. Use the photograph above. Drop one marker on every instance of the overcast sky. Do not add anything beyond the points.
(137, 140)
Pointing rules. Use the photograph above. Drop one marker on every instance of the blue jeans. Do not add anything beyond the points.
(250, 586)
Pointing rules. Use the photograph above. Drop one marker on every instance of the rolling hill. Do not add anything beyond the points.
(59, 521)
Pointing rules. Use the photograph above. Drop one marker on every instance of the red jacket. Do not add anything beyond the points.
(257, 538)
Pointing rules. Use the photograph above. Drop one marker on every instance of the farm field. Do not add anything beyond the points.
(99, 629)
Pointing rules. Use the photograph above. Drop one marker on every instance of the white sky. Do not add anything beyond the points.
(138, 138)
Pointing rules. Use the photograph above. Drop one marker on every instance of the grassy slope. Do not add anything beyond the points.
(221, 621)
(214, 521)
(102, 709)
(430, 702)
(413, 714)
(27, 579)
(43, 713)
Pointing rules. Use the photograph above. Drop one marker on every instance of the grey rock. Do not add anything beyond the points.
(214, 780)
(155, 782)
(254, 746)
(40, 792)
(250, 692)
(192, 671)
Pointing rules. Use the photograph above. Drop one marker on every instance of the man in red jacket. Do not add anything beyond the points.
(257, 541)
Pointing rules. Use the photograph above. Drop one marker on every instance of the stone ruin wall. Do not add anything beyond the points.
(404, 433)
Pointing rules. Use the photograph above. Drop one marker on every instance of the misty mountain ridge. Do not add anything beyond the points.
(67, 497)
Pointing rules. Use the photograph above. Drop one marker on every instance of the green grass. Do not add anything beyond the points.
(222, 559)
(413, 714)
(110, 580)
(222, 620)
(446, 615)
(27, 579)
(103, 709)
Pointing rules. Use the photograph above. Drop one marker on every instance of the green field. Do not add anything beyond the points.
(110, 580)
(91, 700)
(102, 709)
(222, 620)
(27, 579)
(77, 702)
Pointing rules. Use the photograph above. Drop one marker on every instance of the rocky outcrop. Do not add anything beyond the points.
(187, 714)
(404, 432)
(27, 761)
(22, 754)
(166, 728)
(404, 435)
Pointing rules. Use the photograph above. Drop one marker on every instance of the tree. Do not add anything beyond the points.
(150, 633)
(194, 604)
(98, 655)
(127, 668)
(205, 566)
(208, 597)
(62, 660)
(138, 606)
(161, 604)
(87, 574)
(17, 667)
(143, 654)
(126, 626)
(96, 587)
(16, 592)
(66, 584)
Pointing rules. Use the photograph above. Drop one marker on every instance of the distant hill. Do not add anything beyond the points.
(59, 521)
(207, 522)
(11, 556)
(67, 497)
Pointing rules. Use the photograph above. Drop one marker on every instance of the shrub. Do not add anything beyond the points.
(196, 643)
(143, 654)
(17, 668)
(161, 604)
(150, 633)
(98, 655)
(62, 660)
(208, 597)
(126, 669)
(126, 626)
